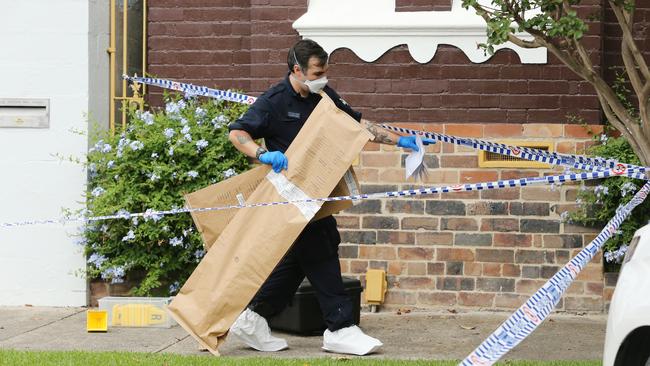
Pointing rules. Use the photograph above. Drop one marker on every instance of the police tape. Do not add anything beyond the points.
(192, 89)
(535, 310)
(568, 160)
(551, 179)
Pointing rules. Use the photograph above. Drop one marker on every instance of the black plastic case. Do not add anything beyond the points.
(303, 315)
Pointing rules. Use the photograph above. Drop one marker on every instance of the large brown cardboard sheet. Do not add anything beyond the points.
(256, 239)
(225, 193)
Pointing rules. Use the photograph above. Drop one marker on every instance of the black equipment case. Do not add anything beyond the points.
(303, 315)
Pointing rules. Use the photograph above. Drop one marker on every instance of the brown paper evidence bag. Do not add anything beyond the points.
(246, 244)
(233, 191)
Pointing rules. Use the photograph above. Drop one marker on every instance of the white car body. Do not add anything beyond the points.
(627, 341)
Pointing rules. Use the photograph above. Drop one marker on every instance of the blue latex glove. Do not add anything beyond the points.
(276, 159)
(408, 142)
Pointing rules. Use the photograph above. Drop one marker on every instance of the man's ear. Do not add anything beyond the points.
(296, 69)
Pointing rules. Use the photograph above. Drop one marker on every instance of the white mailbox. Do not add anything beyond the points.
(24, 113)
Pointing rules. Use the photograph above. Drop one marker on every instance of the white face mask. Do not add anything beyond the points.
(316, 86)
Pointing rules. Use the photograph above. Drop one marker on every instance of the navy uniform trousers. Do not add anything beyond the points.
(315, 255)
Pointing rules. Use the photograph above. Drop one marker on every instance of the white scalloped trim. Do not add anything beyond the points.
(371, 27)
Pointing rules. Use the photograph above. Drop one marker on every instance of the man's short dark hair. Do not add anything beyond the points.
(302, 51)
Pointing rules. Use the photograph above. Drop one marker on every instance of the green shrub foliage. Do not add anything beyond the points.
(162, 155)
(598, 205)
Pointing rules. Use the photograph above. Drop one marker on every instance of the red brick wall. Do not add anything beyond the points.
(207, 42)
(243, 44)
(489, 249)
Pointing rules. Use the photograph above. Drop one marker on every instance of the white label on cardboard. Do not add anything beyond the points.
(240, 199)
(291, 192)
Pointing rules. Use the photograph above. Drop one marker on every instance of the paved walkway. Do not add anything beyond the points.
(427, 335)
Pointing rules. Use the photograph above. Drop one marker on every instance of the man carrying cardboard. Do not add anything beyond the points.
(277, 116)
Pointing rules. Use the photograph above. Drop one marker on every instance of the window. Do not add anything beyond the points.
(488, 159)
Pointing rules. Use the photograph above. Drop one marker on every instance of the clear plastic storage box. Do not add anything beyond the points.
(137, 311)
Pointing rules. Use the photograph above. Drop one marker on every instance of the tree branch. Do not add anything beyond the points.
(520, 20)
(628, 38)
(524, 43)
(566, 6)
(584, 56)
(614, 102)
(482, 12)
(612, 117)
(634, 69)
(614, 110)
(629, 17)
(644, 94)
(644, 107)
(630, 136)
(632, 72)
(569, 61)
(581, 51)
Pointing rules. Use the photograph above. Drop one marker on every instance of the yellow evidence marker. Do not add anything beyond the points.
(96, 321)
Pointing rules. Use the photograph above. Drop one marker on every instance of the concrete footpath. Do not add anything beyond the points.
(414, 335)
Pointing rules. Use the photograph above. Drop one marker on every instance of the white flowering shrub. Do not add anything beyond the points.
(161, 156)
(598, 205)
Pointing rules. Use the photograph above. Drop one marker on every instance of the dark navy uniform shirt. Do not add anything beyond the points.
(279, 114)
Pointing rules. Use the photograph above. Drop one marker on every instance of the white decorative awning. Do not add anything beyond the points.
(371, 27)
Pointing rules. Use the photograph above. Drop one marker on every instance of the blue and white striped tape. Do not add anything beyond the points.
(572, 161)
(534, 311)
(194, 89)
(562, 178)
(568, 160)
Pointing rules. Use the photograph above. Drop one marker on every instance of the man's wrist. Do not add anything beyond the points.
(260, 150)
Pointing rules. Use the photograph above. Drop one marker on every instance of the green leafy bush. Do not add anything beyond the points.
(598, 205)
(162, 155)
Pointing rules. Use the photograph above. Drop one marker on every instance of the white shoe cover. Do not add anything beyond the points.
(252, 329)
(351, 340)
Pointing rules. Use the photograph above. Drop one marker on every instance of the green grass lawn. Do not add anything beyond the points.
(9, 357)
